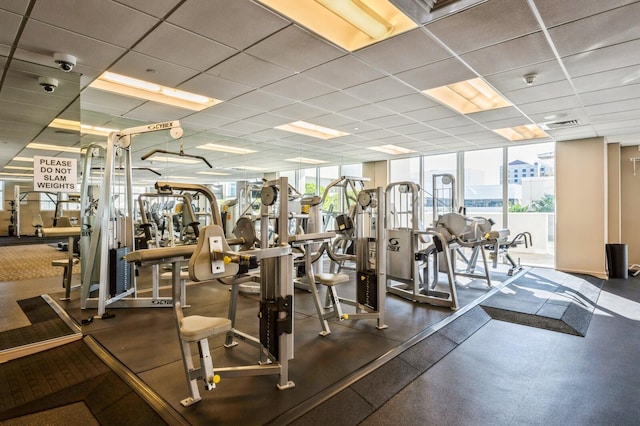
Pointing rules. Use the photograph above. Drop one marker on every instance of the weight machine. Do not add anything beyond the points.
(214, 260)
(411, 255)
(110, 234)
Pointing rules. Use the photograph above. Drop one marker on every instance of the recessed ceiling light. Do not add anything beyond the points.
(310, 129)
(351, 24)
(226, 148)
(214, 173)
(174, 159)
(18, 167)
(47, 147)
(60, 123)
(305, 160)
(128, 86)
(251, 168)
(468, 97)
(391, 149)
(16, 174)
(520, 133)
(23, 159)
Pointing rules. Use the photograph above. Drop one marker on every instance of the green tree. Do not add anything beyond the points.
(546, 204)
(518, 208)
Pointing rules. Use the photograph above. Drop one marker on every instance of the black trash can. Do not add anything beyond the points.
(617, 262)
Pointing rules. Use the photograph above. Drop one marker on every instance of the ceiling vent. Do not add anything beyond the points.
(423, 11)
(559, 124)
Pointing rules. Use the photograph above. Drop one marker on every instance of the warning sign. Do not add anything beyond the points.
(55, 174)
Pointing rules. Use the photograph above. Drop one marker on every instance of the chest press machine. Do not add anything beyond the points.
(212, 259)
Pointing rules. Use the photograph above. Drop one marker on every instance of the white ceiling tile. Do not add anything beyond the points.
(495, 114)
(546, 72)
(539, 92)
(268, 120)
(155, 113)
(392, 121)
(631, 105)
(109, 102)
(167, 42)
(334, 101)
(412, 102)
(299, 111)
(509, 55)
(604, 59)
(214, 87)
(427, 115)
(294, 48)
(344, 72)
(485, 24)
(237, 23)
(298, 87)
(204, 121)
(555, 12)
(619, 77)
(379, 90)
(230, 110)
(622, 93)
(437, 74)
(261, 100)
(556, 104)
(157, 8)
(248, 70)
(365, 112)
(107, 21)
(9, 22)
(46, 39)
(624, 19)
(135, 65)
(403, 52)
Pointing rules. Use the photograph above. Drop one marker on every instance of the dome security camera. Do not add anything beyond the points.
(65, 62)
(48, 84)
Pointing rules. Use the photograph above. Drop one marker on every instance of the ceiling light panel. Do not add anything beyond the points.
(60, 123)
(468, 96)
(520, 133)
(305, 160)
(46, 147)
(128, 86)
(351, 24)
(226, 148)
(313, 130)
(391, 149)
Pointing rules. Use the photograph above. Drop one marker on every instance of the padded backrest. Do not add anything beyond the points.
(36, 220)
(200, 268)
(63, 222)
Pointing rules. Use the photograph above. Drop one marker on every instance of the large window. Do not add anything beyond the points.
(444, 192)
(530, 171)
(483, 184)
(527, 205)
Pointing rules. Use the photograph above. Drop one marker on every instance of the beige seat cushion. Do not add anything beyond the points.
(331, 279)
(196, 327)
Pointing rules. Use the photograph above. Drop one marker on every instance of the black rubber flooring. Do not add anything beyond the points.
(65, 375)
(45, 325)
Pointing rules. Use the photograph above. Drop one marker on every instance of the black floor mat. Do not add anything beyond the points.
(68, 374)
(37, 309)
(547, 299)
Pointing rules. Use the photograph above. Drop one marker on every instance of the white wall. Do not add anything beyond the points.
(581, 206)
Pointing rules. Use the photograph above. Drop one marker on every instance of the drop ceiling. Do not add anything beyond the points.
(270, 71)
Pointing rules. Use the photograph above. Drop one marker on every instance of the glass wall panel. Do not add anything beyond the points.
(439, 165)
(483, 184)
(531, 204)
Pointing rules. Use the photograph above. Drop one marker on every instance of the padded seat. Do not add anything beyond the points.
(64, 263)
(197, 327)
(331, 279)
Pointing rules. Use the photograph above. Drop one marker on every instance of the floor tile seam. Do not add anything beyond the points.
(416, 372)
(348, 381)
